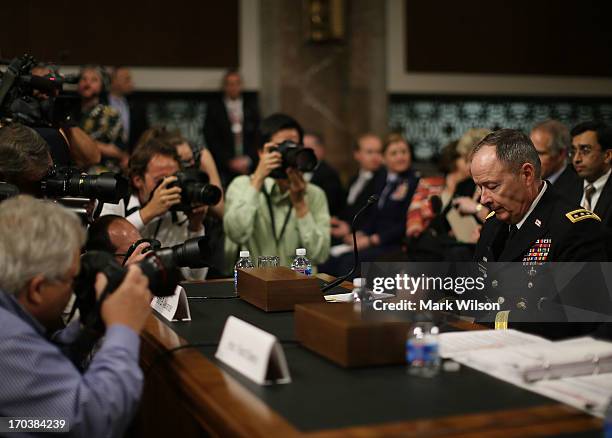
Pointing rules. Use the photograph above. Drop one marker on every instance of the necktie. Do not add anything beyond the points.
(589, 191)
(512, 230)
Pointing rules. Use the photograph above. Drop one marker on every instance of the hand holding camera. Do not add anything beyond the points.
(162, 199)
(270, 159)
(129, 304)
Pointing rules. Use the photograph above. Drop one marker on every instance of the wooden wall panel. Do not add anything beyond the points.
(565, 37)
(153, 33)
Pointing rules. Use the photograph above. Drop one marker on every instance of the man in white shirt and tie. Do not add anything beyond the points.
(592, 159)
(368, 153)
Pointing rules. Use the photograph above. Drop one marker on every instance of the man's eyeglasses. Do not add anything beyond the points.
(583, 149)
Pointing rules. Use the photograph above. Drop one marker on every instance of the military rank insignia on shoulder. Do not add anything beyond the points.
(490, 215)
(580, 215)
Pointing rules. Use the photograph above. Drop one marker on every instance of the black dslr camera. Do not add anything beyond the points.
(161, 267)
(196, 190)
(296, 156)
(72, 183)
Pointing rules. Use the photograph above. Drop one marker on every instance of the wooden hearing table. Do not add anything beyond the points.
(190, 394)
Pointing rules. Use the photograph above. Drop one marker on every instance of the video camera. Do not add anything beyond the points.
(196, 190)
(296, 156)
(18, 95)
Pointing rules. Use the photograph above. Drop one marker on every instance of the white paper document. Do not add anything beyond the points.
(454, 343)
(577, 372)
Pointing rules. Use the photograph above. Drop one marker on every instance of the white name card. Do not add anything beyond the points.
(173, 308)
(252, 352)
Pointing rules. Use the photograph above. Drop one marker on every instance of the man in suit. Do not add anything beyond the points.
(324, 175)
(552, 141)
(531, 224)
(368, 153)
(230, 129)
(592, 158)
(133, 117)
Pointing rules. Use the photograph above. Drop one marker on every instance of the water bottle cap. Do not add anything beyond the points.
(300, 251)
(359, 282)
(244, 254)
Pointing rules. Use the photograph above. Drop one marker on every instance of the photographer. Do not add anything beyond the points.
(152, 168)
(39, 259)
(24, 158)
(271, 214)
(67, 144)
(115, 235)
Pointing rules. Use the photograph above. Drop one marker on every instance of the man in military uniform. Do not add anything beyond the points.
(531, 224)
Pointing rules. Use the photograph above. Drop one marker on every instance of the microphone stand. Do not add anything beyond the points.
(371, 201)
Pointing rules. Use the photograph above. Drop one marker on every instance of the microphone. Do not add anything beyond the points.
(371, 201)
(436, 204)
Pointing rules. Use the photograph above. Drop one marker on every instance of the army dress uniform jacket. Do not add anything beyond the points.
(555, 231)
(517, 273)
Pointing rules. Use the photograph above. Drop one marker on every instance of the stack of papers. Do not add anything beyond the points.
(577, 371)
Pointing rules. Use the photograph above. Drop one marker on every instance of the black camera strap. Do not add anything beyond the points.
(271, 210)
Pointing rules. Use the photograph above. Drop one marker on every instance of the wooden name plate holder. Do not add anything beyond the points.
(338, 332)
(277, 289)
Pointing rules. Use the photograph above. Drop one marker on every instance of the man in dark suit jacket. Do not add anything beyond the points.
(133, 115)
(368, 153)
(230, 129)
(532, 224)
(552, 141)
(324, 175)
(592, 159)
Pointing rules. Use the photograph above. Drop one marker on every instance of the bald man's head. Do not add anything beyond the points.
(112, 234)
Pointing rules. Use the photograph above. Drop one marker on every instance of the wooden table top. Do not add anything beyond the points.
(224, 407)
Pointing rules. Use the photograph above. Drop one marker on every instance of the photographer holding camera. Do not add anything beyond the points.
(24, 158)
(153, 168)
(36, 276)
(274, 211)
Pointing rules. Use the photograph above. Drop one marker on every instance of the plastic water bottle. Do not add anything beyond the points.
(608, 421)
(360, 292)
(243, 262)
(422, 353)
(301, 263)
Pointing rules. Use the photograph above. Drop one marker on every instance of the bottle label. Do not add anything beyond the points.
(419, 353)
(235, 280)
(308, 271)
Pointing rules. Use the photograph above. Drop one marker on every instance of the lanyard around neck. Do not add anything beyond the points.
(271, 211)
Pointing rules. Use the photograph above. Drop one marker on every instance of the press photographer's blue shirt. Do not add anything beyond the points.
(38, 380)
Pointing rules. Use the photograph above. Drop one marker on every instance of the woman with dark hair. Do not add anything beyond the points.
(102, 122)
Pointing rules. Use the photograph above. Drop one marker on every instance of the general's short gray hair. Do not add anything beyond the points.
(22, 152)
(560, 135)
(513, 148)
(36, 237)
